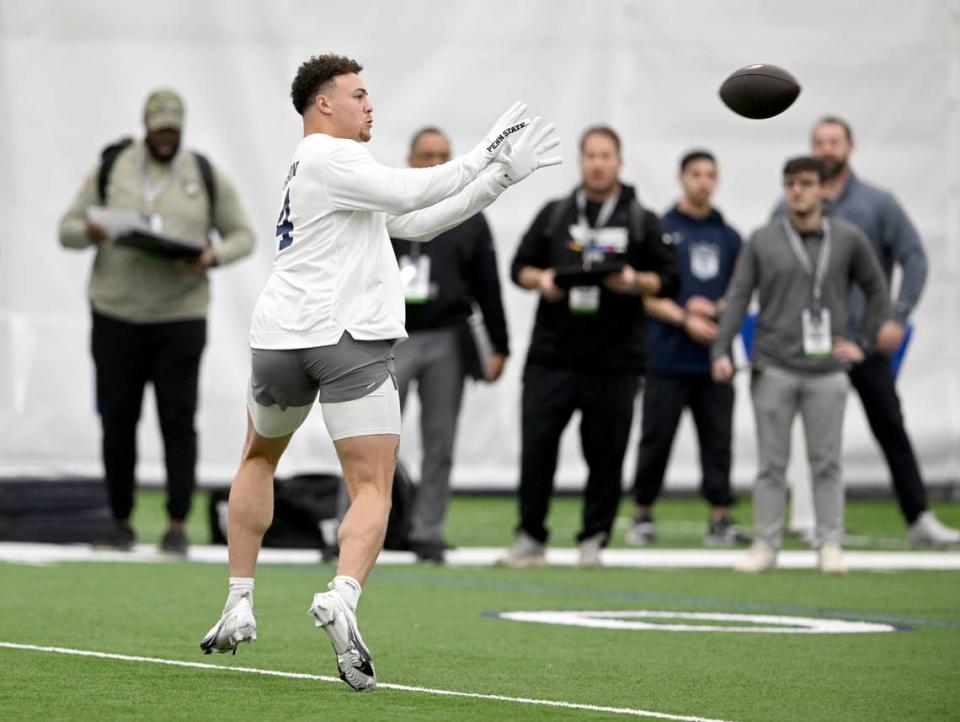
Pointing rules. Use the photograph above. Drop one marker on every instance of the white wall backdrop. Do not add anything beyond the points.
(73, 77)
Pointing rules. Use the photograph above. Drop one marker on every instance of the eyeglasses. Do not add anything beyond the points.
(802, 183)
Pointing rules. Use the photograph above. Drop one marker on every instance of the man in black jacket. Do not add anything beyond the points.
(592, 256)
(442, 280)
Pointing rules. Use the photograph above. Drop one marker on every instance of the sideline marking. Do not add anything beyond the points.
(758, 623)
(31, 553)
(397, 687)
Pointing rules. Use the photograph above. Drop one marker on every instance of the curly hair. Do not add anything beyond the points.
(315, 73)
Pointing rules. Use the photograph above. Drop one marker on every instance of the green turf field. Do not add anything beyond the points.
(433, 627)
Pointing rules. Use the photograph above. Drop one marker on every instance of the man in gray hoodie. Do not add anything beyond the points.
(895, 242)
(802, 266)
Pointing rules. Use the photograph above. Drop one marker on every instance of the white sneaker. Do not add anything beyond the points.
(830, 559)
(759, 558)
(927, 530)
(590, 551)
(235, 626)
(340, 623)
(642, 532)
(524, 552)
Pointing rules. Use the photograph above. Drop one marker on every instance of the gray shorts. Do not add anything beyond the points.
(284, 383)
(296, 377)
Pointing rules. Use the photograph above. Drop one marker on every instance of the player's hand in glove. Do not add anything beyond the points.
(526, 153)
(495, 140)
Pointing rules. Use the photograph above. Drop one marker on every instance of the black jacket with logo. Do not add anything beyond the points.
(612, 340)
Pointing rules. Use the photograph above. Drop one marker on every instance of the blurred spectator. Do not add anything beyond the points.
(149, 312)
(678, 372)
(442, 280)
(895, 242)
(802, 266)
(592, 256)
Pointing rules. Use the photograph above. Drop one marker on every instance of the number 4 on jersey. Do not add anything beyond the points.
(284, 224)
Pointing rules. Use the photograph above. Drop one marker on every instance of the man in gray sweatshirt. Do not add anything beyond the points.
(895, 242)
(801, 266)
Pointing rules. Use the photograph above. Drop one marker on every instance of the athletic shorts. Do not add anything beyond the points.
(355, 382)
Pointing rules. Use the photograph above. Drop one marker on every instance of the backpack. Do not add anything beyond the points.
(562, 208)
(108, 157)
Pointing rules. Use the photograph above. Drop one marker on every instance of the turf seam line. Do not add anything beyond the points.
(395, 687)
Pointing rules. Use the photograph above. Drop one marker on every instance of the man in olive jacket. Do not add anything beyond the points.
(149, 312)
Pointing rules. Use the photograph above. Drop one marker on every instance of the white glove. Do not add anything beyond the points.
(525, 154)
(493, 142)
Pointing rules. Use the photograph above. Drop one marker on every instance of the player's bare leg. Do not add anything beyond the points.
(249, 517)
(251, 499)
(368, 464)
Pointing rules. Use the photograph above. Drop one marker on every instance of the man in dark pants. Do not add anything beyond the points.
(149, 312)
(896, 242)
(680, 333)
(441, 282)
(589, 340)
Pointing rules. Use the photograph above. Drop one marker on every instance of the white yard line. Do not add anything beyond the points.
(26, 553)
(628, 711)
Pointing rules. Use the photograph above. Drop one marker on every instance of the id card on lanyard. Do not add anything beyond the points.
(815, 319)
(152, 190)
(585, 300)
(415, 275)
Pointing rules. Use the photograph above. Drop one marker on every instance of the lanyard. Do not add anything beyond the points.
(152, 190)
(606, 210)
(801, 254)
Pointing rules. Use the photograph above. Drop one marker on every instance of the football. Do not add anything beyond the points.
(759, 91)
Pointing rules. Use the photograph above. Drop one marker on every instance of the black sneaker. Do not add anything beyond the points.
(725, 532)
(122, 539)
(174, 542)
(329, 553)
(429, 552)
(642, 531)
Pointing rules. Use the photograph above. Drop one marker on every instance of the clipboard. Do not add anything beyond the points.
(475, 346)
(158, 245)
(591, 275)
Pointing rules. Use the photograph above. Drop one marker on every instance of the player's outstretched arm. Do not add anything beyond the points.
(355, 181)
(428, 223)
(525, 154)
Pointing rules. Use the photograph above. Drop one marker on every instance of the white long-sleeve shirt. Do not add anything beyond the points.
(335, 269)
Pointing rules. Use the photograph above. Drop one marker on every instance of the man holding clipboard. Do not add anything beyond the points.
(592, 256)
(148, 209)
(457, 328)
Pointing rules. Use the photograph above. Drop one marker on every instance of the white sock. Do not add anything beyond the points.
(347, 588)
(239, 587)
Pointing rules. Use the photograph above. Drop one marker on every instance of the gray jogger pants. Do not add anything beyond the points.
(432, 359)
(820, 399)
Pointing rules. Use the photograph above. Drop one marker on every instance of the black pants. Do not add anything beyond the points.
(875, 384)
(664, 399)
(550, 396)
(127, 356)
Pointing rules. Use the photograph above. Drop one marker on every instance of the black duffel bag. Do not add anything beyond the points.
(55, 511)
(306, 513)
(303, 506)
